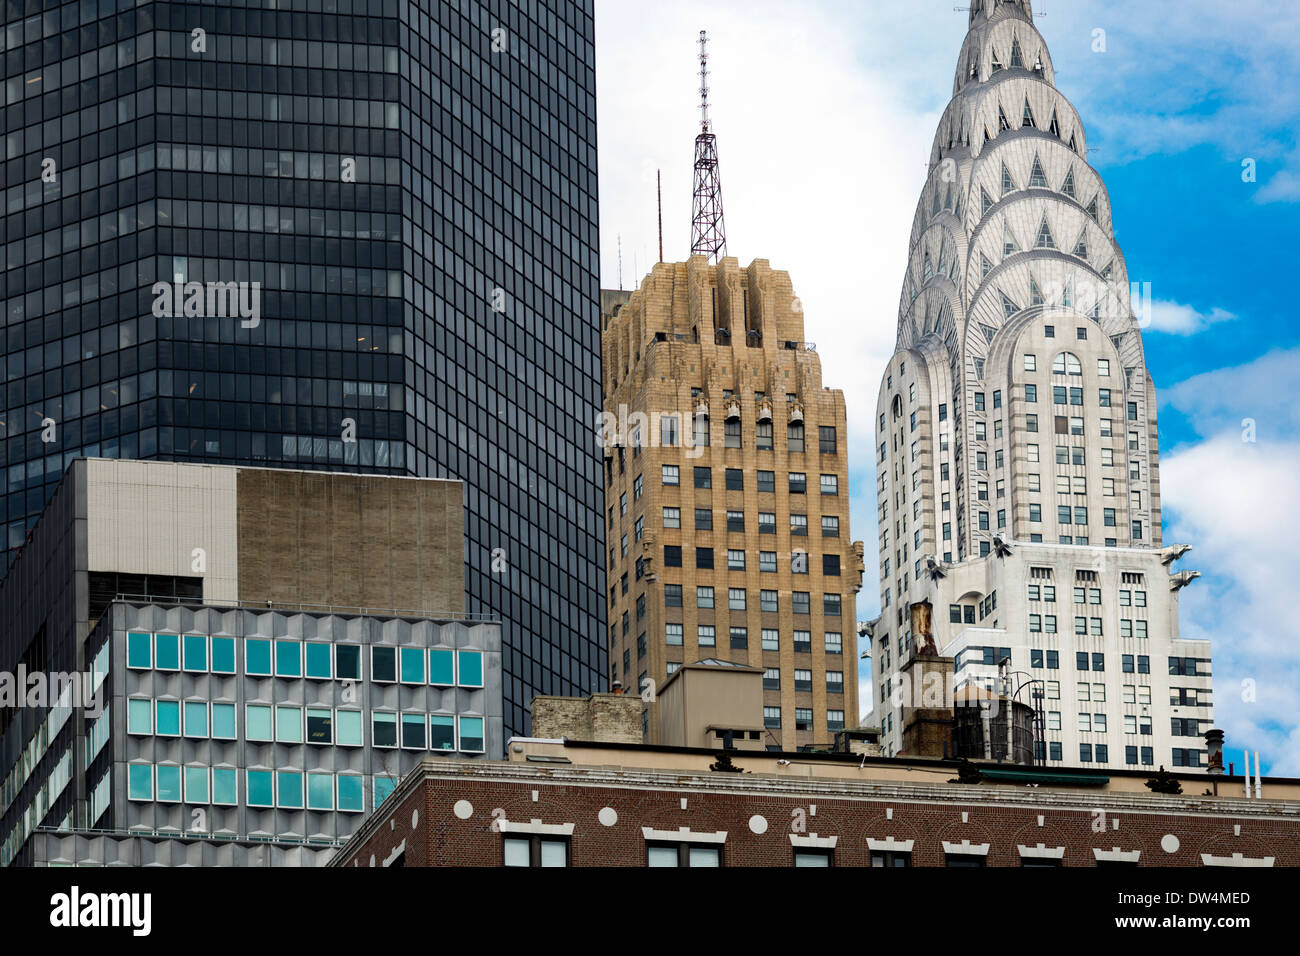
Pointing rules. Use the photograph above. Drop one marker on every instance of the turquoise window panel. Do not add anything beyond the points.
(442, 732)
(167, 722)
(319, 657)
(196, 785)
(139, 716)
(223, 655)
(412, 665)
(347, 661)
(413, 731)
(288, 789)
(288, 725)
(223, 721)
(320, 725)
(383, 733)
(257, 722)
(260, 785)
(257, 658)
(470, 664)
(167, 652)
(139, 650)
(471, 734)
(288, 659)
(442, 667)
(196, 718)
(347, 728)
(225, 786)
(320, 791)
(352, 798)
(169, 784)
(196, 653)
(383, 787)
(139, 781)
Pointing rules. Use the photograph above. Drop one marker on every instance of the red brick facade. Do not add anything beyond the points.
(458, 804)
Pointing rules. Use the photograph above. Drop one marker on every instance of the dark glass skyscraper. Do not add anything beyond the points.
(405, 191)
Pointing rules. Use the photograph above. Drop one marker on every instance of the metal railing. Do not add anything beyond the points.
(335, 609)
(92, 832)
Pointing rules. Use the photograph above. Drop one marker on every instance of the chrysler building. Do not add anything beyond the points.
(1015, 440)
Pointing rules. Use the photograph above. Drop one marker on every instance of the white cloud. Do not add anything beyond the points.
(1236, 504)
(1257, 391)
(1178, 319)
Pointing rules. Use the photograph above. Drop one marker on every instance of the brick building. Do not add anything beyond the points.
(562, 803)
(727, 495)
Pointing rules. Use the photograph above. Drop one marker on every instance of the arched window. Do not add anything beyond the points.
(1066, 363)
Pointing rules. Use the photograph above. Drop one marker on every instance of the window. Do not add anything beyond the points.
(826, 439)
(383, 664)
(735, 479)
(383, 729)
(683, 855)
(799, 600)
(534, 851)
(802, 642)
(673, 635)
(671, 474)
(412, 663)
(818, 858)
(830, 526)
(834, 642)
(803, 718)
(705, 635)
(731, 432)
(672, 517)
(767, 561)
(703, 477)
(736, 599)
(831, 605)
(735, 521)
(798, 482)
(771, 639)
(772, 718)
(703, 520)
(704, 558)
(767, 601)
(1031, 363)
(739, 637)
(830, 484)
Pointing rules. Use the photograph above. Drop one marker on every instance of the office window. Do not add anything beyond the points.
(471, 733)
(830, 526)
(196, 718)
(703, 477)
(736, 521)
(767, 601)
(672, 595)
(442, 732)
(798, 482)
(802, 641)
(826, 439)
(383, 729)
(739, 638)
(771, 639)
(704, 558)
(139, 651)
(831, 605)
(830, 484)
(672, 517)
(736, 599)
(735, 479)
(803, 718)
(671, 474)
(704, 596)
(167, 655)
(383, 664)
(767, 482)
(703, 521)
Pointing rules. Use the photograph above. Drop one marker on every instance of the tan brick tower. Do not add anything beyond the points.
(726, 476)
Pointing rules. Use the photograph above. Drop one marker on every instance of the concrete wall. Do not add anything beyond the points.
(609, 718)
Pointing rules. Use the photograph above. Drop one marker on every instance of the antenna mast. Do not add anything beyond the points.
(659, 189)
(708, 234)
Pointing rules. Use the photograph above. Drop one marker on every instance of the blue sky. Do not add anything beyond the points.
(824, 113)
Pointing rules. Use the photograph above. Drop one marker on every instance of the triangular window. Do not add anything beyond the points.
(1054, 127)
(997, 62)
(985, 266)
(956, 210)
(1072, 144)
(1044, 239)
(988, 331)
(1002, 120)
(1092, 209)
(1067, 187)
(1035, 293)
(1009, 308)
(1017, 60)
(943, 263)
(926, 270)
(1009, 244)
(1067, 294)
(986, 201)
(1110, 268)
(1027, 117)
(1081, 247)
(1008, 184)
(1038, 62)
(1036, 177)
